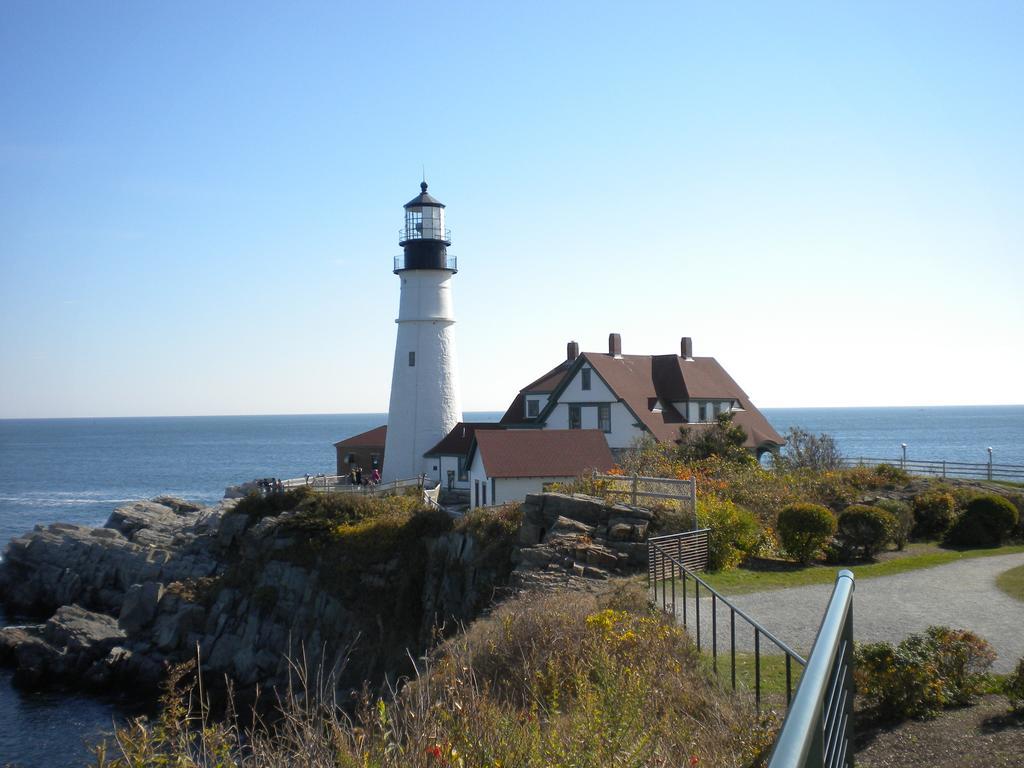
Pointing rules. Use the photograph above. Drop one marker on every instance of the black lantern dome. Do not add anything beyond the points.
(424, 238)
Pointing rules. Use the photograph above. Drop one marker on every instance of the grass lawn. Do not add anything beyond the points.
(782, 574)
(773, 672)
(1012, 582)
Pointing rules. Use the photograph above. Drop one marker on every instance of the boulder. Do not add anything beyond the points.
(82, 632)
(602, 558)
(140, 605)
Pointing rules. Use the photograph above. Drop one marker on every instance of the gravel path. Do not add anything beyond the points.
(961, 594)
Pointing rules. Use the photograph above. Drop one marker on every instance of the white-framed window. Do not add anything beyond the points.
(532, 408)
(604, 417)
(575, 417)
(703, 411)
(585, 378)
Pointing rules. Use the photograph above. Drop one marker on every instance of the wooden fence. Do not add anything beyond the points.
(983, 470)
(637, 487)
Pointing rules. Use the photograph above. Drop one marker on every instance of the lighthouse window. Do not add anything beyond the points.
(414, 224)
(585, 374)
(412, 359)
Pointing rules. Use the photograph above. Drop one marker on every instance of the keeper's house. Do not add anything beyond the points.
(627, 397)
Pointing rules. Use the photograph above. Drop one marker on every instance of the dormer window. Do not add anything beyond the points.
(585, 378)
(532, 408)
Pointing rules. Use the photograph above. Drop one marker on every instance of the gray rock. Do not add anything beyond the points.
(602, 558)
(79, 631)
(140, 605)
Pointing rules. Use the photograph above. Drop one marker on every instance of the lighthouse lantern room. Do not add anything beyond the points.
(425, 403)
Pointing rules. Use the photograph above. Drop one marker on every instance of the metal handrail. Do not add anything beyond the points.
(340, 484)
(818, 728)
(411, 233)
(668, 604)
(450, 262)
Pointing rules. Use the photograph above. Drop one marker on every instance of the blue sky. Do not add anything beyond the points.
(199, 202)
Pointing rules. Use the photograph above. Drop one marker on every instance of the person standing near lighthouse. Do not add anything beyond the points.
(425, 403)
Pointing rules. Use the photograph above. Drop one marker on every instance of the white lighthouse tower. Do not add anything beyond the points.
(425, 403)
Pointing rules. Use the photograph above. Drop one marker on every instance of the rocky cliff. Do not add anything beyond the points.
(164, 580)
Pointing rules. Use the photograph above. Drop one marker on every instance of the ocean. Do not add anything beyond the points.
(78, 470)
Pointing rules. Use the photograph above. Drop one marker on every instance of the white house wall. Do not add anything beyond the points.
(443, 464)
(477, 472)
(624, 429)
(575, 393)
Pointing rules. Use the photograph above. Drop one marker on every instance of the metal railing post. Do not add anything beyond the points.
(818, 725)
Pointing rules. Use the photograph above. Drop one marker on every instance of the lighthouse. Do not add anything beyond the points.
(425, 403)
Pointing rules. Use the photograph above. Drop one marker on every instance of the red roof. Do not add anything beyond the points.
(374, 437)
(546, 383)
(457, 442)
(639, 380)
(643, 382)
(543, 452)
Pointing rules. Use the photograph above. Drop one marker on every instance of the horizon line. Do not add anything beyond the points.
(502, 410)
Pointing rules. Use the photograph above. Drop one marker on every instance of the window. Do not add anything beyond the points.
(483, 493)
(585, 378)
(703, 412)
(412, 359)
(532, 408)
(414, 224)
(604, 417)
(575, 417)
(463, 474)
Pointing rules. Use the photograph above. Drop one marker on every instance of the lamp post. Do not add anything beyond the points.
(990, 462)
(903, 466)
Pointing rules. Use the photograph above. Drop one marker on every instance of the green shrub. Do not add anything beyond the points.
(934, 512)
(963, 660)
(904, 516)
(986, 522)
(804, 529)
(963, 495)
(891, 475)
(863, 531)
(734, 532)
(1013, 688)
(257, 505)
(923, 673)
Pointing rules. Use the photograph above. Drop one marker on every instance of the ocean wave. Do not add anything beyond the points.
(63, 501)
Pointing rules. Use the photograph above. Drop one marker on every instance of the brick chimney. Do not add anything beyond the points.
(686, 348)
(572, 351)
(614, 345)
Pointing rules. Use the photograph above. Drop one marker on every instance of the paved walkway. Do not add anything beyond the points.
(961, 594)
